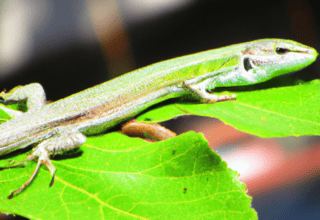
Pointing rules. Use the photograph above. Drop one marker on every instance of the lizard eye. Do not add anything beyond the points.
(247, 64)
(281, 50)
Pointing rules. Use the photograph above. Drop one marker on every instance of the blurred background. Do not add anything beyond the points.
(68, 46)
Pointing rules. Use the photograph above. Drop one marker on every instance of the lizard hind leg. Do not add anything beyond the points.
(32, 93)
(61, 142)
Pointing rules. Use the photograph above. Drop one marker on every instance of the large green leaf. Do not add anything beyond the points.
(274, 112)
(121, 177)
(117, 177)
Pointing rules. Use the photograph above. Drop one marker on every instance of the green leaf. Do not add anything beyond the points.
(273, 112)
(117, 177)
(4, 116)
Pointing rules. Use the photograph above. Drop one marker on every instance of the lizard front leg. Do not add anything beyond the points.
(61, 142)
(200, 91)
(32, 93)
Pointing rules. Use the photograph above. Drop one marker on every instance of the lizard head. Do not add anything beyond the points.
(269, 58)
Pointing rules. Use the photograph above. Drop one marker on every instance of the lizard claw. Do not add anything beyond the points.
(227, 97)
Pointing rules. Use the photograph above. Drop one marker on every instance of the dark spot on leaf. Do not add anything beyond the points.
(185, 190)
(173, 151)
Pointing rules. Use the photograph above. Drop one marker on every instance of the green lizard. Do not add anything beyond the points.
(64, 124)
